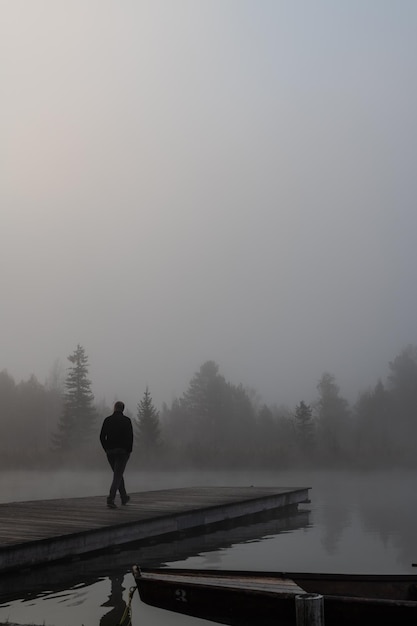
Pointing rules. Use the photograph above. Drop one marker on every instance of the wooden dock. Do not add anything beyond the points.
(42, 531)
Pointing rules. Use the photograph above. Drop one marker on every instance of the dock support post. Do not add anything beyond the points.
(309, 609)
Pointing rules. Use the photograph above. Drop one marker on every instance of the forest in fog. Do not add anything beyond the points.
(214, 424)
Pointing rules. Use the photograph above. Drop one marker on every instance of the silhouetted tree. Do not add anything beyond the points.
(266, 426)
(304, 426)
(204, 403)
(375, 441)
(76, 425)
(8, 440)
(147, 427)
(203, 396)
(238, 426)
(402, 385)
(334, 429)
(55, 386)
(213, 422)
(266, 444)
(403, 372)
(28, 411)
(31, 423)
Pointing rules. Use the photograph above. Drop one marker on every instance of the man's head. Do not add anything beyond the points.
(119, 407)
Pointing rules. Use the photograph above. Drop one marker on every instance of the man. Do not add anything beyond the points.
(116, 437)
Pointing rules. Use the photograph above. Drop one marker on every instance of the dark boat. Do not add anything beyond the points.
(243, 598)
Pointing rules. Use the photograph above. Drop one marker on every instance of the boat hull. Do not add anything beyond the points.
(249, 598)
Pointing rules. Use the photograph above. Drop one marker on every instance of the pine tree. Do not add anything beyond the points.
(304, 426)
(334, 436)
(147, 427)
(77, 421)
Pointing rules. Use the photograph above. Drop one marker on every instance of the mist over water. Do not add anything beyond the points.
(356, 522)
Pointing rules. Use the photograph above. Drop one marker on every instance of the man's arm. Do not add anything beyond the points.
(103, 435)
(130, 435)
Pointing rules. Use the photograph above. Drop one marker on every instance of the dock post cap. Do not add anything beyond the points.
(309, 609)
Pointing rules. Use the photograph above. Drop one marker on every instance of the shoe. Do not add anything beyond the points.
(126, 500)
(111, 505)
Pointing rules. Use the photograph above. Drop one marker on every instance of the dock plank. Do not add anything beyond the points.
(268, 584)
(45, 530)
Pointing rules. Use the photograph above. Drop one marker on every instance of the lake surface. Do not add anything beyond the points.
(356, 522)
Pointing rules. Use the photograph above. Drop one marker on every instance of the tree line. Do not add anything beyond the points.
(215, 423)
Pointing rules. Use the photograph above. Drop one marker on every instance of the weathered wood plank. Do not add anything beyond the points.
(270, 584)
(46, 530)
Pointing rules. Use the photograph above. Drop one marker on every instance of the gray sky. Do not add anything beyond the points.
(184, 180)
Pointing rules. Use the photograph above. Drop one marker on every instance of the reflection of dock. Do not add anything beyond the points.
(47, 530)
(58, 577)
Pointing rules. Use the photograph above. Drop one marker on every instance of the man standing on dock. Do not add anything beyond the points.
(116, 437)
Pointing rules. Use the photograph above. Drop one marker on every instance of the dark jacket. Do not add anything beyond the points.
(117, 432)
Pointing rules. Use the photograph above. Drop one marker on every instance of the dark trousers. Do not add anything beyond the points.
(118, 460)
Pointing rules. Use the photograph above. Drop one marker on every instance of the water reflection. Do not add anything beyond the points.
(336, 519)
(69, 584)
(390, 511)
(362, 523)
(115, 601)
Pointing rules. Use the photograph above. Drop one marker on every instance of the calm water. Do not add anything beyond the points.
(356, 522)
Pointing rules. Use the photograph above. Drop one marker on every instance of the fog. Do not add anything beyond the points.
(224, 179)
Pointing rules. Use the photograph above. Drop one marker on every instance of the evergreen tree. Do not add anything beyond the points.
(205, 393)
(402, 388)
(376, 442)
(76, 425)
(304, 426)
(267, 444)
(214, 421)
(208, 404)
(333, 419)
(147, 428)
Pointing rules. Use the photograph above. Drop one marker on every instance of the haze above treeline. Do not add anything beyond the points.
(225, 180)
(214, 423)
